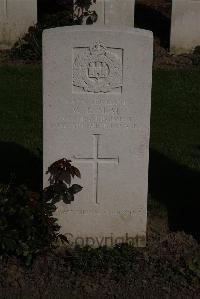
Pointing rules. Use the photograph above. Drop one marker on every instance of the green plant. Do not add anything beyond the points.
(118, 259)
(27, 224)
(196, 56)
(29, 47)
(196, 50)
(61, 173)
(82, 12)
(193, 267)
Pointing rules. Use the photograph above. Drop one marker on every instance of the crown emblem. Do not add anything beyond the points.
(97, 69)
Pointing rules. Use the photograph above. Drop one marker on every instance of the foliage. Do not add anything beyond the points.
(118, 259)
(61, 173)
(27, 225)
(29, 47)
(196, 56)
(196, 50)
(82, 12)
(189, 267)
(193, 267)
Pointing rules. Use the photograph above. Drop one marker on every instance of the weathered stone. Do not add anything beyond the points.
(185, 25)
(97, 98)
(16, 16)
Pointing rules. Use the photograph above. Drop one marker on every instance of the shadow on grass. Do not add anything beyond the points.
(19, 163)
(178, 188)
(151, 19)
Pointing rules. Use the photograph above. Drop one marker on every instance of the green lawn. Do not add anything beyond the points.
(21, 105)
(175, 121)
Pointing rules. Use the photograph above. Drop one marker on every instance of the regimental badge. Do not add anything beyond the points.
(97, 69)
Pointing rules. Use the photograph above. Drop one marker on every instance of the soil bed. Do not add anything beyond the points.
(167, 268)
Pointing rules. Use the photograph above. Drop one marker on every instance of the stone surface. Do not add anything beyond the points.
(114, 12)
(185, 26)
(97, 98)
(16, 16)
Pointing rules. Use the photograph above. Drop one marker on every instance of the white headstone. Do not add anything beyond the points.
(16, 16)
(97, 98)
(114, 12)
(185, 26)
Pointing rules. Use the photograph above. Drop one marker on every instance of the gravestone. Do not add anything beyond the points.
(114, 12)
(16, 16)
(185, 25)
(97, 98)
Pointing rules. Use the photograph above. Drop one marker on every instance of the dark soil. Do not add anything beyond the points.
(168, 268)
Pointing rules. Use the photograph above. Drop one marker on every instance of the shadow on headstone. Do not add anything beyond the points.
(151, 19)
(178, 188)
(20, 165)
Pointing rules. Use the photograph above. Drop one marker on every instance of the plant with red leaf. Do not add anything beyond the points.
(61, 174)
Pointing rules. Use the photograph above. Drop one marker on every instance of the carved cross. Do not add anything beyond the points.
(95, 160)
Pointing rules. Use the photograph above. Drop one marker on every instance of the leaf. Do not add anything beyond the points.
(66, 177)
(63, 238)
(75, 189)
(94, 17)
(48, 193)
(75, 171)
(60, 187)
(56, 199)
(68, 197)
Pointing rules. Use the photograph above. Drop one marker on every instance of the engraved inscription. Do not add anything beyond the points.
(82, 116)
(96, 122)
(96, 160)
(127, 213)
(97, 69)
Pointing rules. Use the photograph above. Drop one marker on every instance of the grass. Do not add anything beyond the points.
(175, 121)
(21, 106)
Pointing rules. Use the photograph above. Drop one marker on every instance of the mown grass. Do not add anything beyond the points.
(175, 120)
(21, 106)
